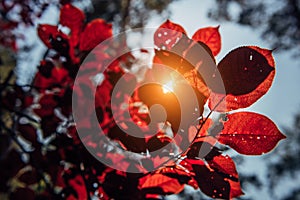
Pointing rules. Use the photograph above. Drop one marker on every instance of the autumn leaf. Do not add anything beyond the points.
(247, 73)
(250, 133)
(243, 69)
(49, 33)
(77, 183)
(95, 32)
(209, 36)
(160, 184)
(73, 18)
(211, 183)
(46, 103)
(197, 82)
(168, 34)
(225, 165)
(235, 189)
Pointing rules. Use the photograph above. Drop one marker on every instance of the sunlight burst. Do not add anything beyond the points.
(168, 87)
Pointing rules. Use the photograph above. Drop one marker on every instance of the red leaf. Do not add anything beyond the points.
(42, 82)
(160, 184)
(186, 55)
(235, 189)
(213, 179)
(224, 164)
(59, 75)
(45, 31)
(55, 76)
(77, 183)
(176, 171)
(194, 60)
(211, 183)
(243, 69)
(209, 36)
(247, 80)
(95, 32)
(47, 104)
(168, 34)
(250, 133)
(73, 18)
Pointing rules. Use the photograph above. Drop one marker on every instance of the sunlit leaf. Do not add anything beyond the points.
(95, 32)
(235, 189)
(250, 133)
(209, 36)
(48, 33)
(160, 184)
(47, 103)
(243, 70)
(168, 34)
(247, 73)
(73, 18)
(225, 165)
(77, 183)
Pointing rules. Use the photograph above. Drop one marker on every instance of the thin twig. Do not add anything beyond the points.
(206, 118)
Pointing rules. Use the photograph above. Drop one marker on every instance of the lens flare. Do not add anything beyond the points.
(168, 87)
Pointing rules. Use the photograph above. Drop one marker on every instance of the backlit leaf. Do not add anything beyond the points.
(95, 32)
(73, 18)
(48, 33)
(225, 165)
(178, 172)
(160, 184)
(248, 73)
(250, 133)
(209, 36)
(168, 34)
(243, 70)
(235, 189)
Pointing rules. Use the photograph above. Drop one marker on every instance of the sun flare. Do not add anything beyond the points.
(168, 87)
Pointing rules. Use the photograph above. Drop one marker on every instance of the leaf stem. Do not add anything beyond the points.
(206, 118)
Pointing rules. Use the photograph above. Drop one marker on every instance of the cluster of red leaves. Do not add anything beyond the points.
(59, 166)
(247, 74)
(19, 13)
